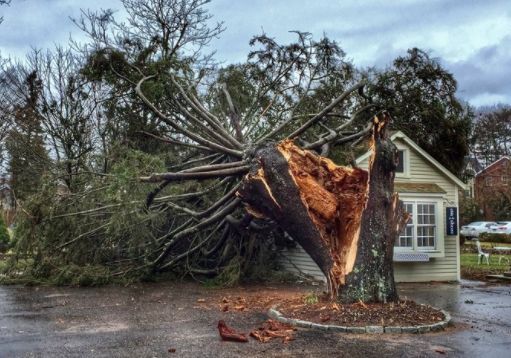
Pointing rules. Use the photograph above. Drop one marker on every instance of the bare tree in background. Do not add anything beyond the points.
(5, 124)
(69, 109)
(492, 134)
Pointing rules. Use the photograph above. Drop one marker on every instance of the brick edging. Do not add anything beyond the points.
(273, 313)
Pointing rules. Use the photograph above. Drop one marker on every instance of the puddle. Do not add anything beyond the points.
(54, 295)
(93, 329)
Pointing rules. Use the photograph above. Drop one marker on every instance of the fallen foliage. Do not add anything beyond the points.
(273, 329)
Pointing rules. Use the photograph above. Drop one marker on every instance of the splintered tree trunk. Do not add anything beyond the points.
(346, 219)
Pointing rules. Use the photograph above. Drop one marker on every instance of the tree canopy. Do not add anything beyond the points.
(491, 138)
(421, 96)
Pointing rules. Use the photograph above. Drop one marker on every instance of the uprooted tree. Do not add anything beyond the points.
(259, 135)
(347, 219)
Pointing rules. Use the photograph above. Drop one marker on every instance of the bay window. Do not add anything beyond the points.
(421, 230)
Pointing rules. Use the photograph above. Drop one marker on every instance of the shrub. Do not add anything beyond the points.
(4, 235)
(490, 237)
(311, 299)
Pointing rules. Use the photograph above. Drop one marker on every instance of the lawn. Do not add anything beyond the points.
(470, 269)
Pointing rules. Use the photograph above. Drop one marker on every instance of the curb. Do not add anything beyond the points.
(273, 313)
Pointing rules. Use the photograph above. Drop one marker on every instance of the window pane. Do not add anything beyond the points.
(426, 225)
(406, 237)
(426, 236)
(401, 164)
(409, 209)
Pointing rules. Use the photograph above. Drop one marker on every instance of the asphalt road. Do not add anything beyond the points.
(146, 320)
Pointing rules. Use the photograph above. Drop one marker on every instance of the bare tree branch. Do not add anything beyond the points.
(219, 215)
(234, 115)
(326, 110)
(157, 177)
(181, 129)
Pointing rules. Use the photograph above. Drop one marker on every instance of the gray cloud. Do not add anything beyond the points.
(41, 23)
(376, 32)
(485, 74)
(472, 37)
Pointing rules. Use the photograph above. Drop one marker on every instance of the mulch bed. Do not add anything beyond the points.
(403, 313)
(312, 306)
(297, 305)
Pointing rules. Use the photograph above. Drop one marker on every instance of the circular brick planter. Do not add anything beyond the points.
(273, 313)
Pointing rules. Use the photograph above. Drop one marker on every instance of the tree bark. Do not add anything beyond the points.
(347, 219)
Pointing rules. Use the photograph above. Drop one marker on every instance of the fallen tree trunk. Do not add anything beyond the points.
(346, 219)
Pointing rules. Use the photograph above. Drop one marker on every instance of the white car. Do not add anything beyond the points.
(474, 229)
(502, 227)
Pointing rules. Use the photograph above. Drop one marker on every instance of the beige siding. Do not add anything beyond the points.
(421, 171)
(437, 269)
(298, 262)
(445, 268)
(442, 268)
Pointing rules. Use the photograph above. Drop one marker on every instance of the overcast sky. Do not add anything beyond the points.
(472, 38)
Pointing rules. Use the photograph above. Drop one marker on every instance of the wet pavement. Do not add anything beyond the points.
(146, 320)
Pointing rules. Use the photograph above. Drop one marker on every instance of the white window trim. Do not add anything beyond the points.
(439, 249)
(406, 163)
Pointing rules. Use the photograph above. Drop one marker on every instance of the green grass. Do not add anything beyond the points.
(470, 260)
(470, 269)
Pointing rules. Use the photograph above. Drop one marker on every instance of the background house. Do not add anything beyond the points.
(472, 166)
(424, 251)
(492, 190)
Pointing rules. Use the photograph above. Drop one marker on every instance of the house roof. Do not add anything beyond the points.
(429, 188)
(498, 161)
(423, 154)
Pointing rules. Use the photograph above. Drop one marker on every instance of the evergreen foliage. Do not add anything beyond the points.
(421, 96)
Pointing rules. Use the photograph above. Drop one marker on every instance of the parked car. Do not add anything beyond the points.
(478, 227)
(502, 227)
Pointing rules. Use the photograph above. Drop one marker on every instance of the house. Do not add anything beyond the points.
(492, 184)
(428, 249)
(471, 166)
